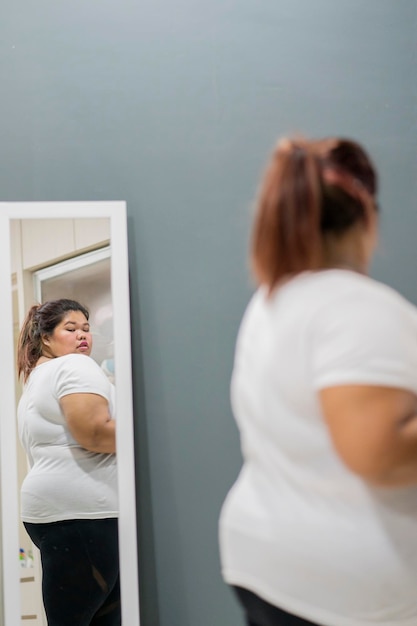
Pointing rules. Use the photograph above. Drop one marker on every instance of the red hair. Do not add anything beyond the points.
(309, 188)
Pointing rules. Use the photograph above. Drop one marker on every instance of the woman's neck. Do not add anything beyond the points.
(43, 359)
(345, 252)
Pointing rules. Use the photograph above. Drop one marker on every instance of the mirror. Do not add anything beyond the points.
(76, 250)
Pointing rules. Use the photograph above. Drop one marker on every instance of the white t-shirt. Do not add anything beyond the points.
(65, 480)
(298, 528)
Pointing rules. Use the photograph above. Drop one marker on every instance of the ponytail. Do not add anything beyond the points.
(29, 346)
(311, 189)
(286, 236)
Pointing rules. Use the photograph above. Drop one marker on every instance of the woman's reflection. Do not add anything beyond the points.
(69, 497)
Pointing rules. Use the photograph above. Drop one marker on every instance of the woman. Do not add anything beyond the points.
(321, 524)
(69, 497)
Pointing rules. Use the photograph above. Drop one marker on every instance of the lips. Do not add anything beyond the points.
(83, 344)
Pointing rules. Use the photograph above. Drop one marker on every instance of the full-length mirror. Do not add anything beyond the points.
(76, 251)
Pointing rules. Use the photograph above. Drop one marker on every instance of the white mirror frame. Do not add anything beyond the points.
(116, 213)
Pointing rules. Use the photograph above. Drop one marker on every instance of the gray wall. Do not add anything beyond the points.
(174, 106)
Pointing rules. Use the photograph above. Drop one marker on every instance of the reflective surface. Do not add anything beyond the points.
(40, 243)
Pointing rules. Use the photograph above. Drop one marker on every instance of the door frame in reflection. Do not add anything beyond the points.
(84, 277)
(116, 213)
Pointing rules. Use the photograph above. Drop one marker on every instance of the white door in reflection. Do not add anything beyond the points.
(86, 279)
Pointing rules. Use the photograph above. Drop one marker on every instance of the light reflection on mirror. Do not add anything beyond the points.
(74, 257)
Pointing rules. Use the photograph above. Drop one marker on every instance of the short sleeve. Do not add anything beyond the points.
(78, 373)
(367, 336)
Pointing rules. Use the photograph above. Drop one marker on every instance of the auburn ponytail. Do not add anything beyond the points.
(29, 346)
(286, 236)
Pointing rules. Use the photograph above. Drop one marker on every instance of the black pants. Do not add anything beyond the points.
(80, 571)
(261, 613)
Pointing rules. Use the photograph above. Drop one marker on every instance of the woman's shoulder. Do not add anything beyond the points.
(327, 298)
(75, 366)
(341, 286)
(359, 308)
(79, 371)
(74, 361)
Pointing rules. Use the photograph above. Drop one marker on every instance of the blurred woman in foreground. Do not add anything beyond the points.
(321, 524)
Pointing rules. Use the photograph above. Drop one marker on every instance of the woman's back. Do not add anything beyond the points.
(299, 528)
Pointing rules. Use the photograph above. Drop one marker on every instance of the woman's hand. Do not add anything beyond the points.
(89, 421)
(374, 431)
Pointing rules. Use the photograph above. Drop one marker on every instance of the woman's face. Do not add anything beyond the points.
(71, 336)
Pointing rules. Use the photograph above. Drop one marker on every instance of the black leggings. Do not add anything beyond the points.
(80, 571)
(261, 613)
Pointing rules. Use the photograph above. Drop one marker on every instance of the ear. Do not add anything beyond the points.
(373, 224)
(45, 340)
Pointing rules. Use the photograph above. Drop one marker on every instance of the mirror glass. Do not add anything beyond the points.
(77, 251)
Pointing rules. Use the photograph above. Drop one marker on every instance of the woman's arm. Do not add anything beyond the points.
(374, 431)
(89, 421)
